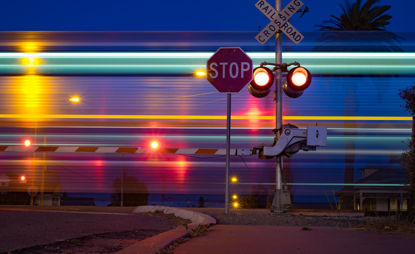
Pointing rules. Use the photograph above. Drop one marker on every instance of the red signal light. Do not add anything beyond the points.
(154, 144)
(22, 179)
(298, 79)
(262, 81)
(27, 143)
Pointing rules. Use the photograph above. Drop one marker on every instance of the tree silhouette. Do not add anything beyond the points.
(353, 26)
(357, 17)
(134, 192)
(15, 192)
(361, 27)
(408, 158)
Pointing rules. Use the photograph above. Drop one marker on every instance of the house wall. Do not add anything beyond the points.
(381, 205)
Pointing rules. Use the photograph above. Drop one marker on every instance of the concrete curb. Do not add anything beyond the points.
(158, 242)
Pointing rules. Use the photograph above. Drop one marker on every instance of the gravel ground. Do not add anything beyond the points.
(77, 230)
(265, 217)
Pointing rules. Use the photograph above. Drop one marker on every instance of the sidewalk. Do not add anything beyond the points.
(228, 239)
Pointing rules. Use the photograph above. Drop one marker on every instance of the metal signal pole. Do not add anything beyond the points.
(228, 147)
(277, 204)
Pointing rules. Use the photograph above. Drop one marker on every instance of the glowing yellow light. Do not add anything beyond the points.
(200, 73)
(32, 96)
(29, 46)
(235, 204)
(182, 163)
(30, 61)
(27, 143)
(22, 178)
(234, 179)
(234, 196)
(154, 145)
(75, 99)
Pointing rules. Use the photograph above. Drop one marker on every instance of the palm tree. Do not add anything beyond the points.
(352, 26)
(358, 17)
(345, 33)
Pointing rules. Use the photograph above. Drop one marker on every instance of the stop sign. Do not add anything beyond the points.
(229, 70)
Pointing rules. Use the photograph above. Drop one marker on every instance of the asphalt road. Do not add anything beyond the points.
(22, 228)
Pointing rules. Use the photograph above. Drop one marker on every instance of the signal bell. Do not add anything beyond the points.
(298, 79)
(262, 81)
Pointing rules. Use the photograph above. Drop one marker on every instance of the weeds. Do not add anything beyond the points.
(200, 230)
(393, 224)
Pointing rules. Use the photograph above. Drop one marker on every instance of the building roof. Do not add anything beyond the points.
(386, 175)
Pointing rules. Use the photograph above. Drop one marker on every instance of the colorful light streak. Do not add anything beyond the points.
(209, 117)
(336, 184)
(342, 63)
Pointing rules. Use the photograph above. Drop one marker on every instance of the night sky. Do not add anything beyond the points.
(171, 15)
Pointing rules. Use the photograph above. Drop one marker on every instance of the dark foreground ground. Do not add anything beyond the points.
(77, 230)
(110, 229)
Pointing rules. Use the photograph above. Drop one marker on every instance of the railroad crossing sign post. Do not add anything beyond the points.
(229, 70)
(279, 23)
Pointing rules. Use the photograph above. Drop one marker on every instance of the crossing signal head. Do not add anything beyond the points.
(298, 79)
(261, 83)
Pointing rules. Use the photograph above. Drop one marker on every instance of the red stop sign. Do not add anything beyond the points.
(229, 70)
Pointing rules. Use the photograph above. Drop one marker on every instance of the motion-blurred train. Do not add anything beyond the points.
(128, 89)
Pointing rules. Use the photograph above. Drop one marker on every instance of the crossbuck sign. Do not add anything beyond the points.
(279, 21)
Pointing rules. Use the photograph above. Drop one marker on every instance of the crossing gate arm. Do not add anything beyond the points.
(121, 150)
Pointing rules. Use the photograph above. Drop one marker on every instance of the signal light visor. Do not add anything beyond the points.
(299, 78)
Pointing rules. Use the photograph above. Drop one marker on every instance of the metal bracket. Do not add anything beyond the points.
(293, 140)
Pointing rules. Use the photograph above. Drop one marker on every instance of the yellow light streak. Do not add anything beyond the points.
(75, 99)
(30, 97)
(200, 73)
(211, 117)
(29, 46)
(349, 118)
(30, 61)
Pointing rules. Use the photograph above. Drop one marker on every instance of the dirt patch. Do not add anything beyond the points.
(99, 243)
(117, 231)
(390, 225)
(265, 217)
